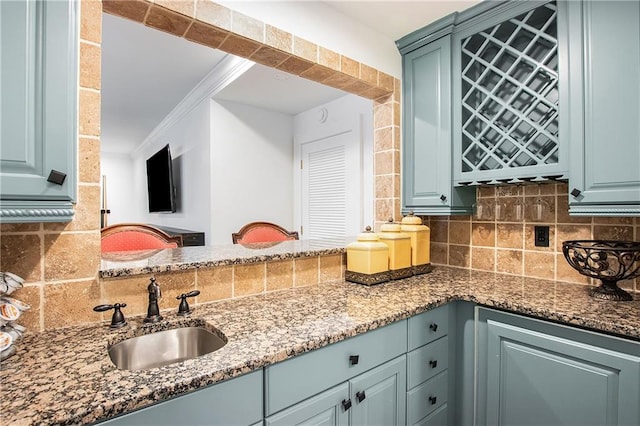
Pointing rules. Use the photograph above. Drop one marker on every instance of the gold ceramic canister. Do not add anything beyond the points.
(399, 244)
(367, 259)
(420, 243)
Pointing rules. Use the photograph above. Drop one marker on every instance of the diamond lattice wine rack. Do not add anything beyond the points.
(509, 92)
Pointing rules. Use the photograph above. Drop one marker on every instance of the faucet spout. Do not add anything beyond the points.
(153, 310)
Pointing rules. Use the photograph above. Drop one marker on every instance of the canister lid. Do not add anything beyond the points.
(368, 235)
(390, 226)
(410, 219)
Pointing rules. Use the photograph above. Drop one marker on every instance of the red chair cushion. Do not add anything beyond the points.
(133, 240)
(263, 235)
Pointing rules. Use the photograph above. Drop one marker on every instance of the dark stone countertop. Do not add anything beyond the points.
(64, 376)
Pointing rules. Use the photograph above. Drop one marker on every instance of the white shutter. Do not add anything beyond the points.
(331, 190)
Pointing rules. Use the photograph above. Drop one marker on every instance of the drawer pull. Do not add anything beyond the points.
(353, 359)
(434, 327)
(346, 404)
(360, 396)
(433, 400)
(433, 363)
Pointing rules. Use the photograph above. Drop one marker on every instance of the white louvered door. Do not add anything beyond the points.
(331, 187)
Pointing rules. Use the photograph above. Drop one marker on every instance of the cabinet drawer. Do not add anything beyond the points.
(440, 417)
(428, 326)
(427, 361)
(301, 377)
(427, 397)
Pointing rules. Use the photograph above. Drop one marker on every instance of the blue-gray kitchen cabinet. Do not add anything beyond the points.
(532, 372)
(360, 380)
(237, 401)
(427, 181)
(603, 96)
(39, 80)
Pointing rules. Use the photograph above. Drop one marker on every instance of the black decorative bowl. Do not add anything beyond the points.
(608, 261)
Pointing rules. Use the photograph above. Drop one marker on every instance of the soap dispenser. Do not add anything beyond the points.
(420, 243)
(399, 244)
(367, 259)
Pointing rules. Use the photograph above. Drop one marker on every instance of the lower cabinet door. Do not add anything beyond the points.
(440, 417)
(329, 408)
(234, 402)
(543, 376)
(379, 395)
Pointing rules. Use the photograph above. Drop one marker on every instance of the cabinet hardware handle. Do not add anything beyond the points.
(434, 327)
(353, 359)
(432, 400)
(346, 404)
(443, 197)
(360, 396)
(56, 177)
(576, 192)
(433, 363)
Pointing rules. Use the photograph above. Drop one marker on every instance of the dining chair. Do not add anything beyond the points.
(262, 232)
(136, 236)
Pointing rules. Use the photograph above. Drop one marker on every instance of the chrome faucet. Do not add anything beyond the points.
(153, 311)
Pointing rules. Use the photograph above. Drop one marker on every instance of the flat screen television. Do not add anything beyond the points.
(160, 186)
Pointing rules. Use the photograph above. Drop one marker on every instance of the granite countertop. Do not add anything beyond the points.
(119, 264)
(64, 376)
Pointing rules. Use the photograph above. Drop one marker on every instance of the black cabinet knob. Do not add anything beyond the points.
(443, 198)
(346, 404)
(576, 192)
(360, 396)
(56, 177)
(353, 359)
(433, 327)
(433, 400)
(433, 363)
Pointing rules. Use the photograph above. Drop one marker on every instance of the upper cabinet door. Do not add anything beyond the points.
(38, 114)
(604, 102)
(426, 144)
(506, 99)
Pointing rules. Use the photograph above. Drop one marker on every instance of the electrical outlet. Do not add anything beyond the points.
(541, 235)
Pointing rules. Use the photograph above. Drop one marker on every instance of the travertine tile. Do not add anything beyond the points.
(306, 271)
(89, 105)
(459, 233)
(85, 217)
(165, 20)
(530, 240)
(369, 74)
(486, 191)
(539, 265)
(564, 272)
(21, 255)
(439, 231)
(269, 56)
(295, 65)
(509, 209)
(547, 206)
(129, 290)
(248, 279)
(215, 283)
(509, 191)
(279, 275)
(349, 66)
(384, 186)
(384, 209)
(572, 232)
(509, 261)
(214, 14)
(483, 258)
(386, 81)
(279, 39)
(247, 26)
(89, 160)
(329, 58)
(206, 35)
(19, 227)
(305, 49)
(382, 115)
(357, 87)
(331, 268)
(510, 236)
(71, 255)
(135, 10)
(459, 256)
(603, 232)
(184, 7)
(91, 21)
(383, 139)
(562, 215)
(483, 234)
(383, 163)
(317, 73)
(340, 81)
(439, 253)
(604, 220)
(90, 65)
(70, 304)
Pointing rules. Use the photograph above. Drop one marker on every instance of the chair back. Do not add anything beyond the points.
(136, 236)
(262, 232)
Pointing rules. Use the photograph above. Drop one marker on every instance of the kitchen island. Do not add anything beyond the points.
(65, 376)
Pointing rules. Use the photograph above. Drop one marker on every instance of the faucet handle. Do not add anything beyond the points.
(117, 320)
(183, 309)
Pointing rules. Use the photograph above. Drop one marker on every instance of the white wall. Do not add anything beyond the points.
(251, 168)
(308, 19)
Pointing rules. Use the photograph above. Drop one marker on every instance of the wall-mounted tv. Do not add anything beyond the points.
(160, 186)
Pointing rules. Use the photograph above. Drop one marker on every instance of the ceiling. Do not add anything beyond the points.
(143, 81)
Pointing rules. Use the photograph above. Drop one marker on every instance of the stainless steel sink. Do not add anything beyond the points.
(164, 347)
